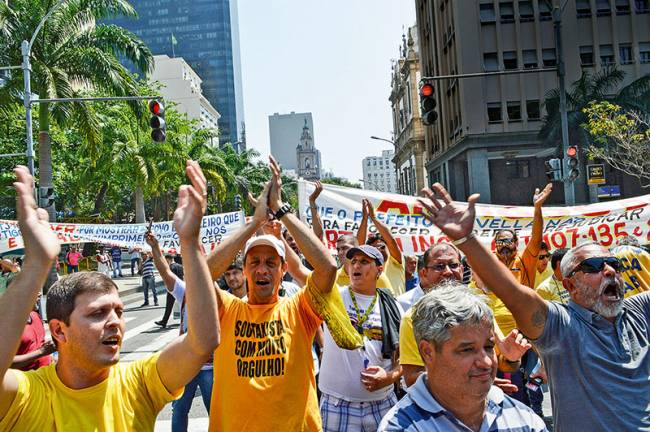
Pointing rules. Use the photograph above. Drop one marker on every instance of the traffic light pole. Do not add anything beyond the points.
(569, 185)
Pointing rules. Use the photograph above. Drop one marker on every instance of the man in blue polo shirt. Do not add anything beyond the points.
(455, 334)
(595, 349)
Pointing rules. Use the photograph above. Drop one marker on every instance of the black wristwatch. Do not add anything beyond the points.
(286, 208)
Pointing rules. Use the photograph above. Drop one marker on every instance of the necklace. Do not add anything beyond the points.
(362, 318)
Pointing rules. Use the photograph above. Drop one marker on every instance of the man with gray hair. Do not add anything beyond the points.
(596, 349)
(455, 334)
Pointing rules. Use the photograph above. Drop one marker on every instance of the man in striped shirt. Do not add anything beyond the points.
(148, 280)
(454, 331)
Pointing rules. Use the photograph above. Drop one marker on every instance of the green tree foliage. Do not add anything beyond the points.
(340, 181)
(620, 138)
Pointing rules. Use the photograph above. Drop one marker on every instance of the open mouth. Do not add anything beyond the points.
(111, 341)
(262, 283)
(611, 292)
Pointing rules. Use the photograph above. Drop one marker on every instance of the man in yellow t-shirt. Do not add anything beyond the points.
(87, 389)
(264, 360)
(552, 289)
(636, 265)
(384, 241)
(544, 270)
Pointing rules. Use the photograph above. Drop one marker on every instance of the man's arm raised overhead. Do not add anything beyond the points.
(41, 249)
(181, 360)
(457, 222)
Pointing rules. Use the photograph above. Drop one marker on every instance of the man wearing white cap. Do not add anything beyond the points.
(357, 385)
(265, 360)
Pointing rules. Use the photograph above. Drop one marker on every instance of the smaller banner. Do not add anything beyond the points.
(564, 227)
(214, 228)
(596, 174)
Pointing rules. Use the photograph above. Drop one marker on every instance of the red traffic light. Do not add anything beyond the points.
(572, 151)
(426, 90)
(156, 107)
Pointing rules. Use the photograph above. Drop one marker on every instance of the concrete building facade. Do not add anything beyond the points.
(180, 84)
(486, 137)
(285, 132)
(408, 131)
(379, 172)
(206, 34)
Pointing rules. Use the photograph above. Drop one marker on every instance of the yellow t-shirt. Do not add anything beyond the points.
(524, 268)
(389, 278)
(636, 268)
(409, 354)
(264, 362)
(541, 277)
(553, 290)
(128, 400)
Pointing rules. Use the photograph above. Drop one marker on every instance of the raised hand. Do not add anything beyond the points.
(192, 201)
(540, 197)
(514, 346)
(274, 228)
(454, 219)
(260, 203)
(368, 209)
(316, 193)
(151, 240)
(41, 244)
(275, 194)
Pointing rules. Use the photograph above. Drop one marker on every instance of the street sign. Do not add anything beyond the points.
(609, 191)
(595, 174)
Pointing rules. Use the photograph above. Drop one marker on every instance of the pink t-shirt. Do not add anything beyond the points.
(73, 258)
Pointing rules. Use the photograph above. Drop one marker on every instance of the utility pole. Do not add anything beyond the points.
(569, 185)
(27, 100)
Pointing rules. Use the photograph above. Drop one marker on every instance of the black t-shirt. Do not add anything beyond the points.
(177, 269)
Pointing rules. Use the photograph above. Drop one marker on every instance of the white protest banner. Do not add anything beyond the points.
(214, 228)
(340, 210)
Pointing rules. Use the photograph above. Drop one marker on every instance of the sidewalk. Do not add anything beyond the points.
(131, 284)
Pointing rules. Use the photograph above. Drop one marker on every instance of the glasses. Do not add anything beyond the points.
(442, 267)
(504, 242)
(543, 257)
(597, 264)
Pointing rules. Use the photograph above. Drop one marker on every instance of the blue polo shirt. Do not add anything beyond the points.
(418, 411)
(599, 372)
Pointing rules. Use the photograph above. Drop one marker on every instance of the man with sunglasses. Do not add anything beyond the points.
(544, 271)
(595, 349)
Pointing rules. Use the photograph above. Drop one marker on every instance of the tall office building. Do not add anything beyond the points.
(486, 137)
(206, 34)
(379, 172)
(285, 131)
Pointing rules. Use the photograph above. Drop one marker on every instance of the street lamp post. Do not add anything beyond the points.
(397, 172)
(372, 183)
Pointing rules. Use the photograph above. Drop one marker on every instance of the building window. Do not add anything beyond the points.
(514, 111)
(532, 110)
(510, 60)
(506, 12)
(622, 7)
(583, 8)
(587, 55)
(487, 13)
(548, 57)
(490, 62)
(494, 112)
(606, 55)
(530, 59)
(518, 169)
(603, 8)
(644, 52)
(526, 12)
(544, 11)
(642, 6)
(625, 52)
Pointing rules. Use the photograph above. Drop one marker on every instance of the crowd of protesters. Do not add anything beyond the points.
(459, 338)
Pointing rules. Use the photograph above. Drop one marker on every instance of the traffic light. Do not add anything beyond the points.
(554, 169)
(45, 197)
(572, 163)
(157, 122)
(428, 104)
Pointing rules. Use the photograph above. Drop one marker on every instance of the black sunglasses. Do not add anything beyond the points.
(597, 264)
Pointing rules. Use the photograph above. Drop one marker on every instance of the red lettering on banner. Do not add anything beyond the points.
(70, 228)
(11, 241)
(385, 206)
(558, 240)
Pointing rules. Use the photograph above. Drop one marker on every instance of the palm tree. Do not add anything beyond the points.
(71, 54)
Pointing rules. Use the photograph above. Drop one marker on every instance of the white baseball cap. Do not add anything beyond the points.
(265, 240)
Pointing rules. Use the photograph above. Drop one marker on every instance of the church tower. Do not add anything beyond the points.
(308, 157)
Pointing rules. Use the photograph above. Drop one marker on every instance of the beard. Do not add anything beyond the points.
(593, 298)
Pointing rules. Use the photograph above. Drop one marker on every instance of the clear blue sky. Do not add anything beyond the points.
(330, 58)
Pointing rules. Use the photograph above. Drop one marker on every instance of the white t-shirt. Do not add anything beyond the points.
(411, 297)
(179, 294)
(340, 370)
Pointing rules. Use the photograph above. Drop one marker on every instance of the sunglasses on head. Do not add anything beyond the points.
(597, 264)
